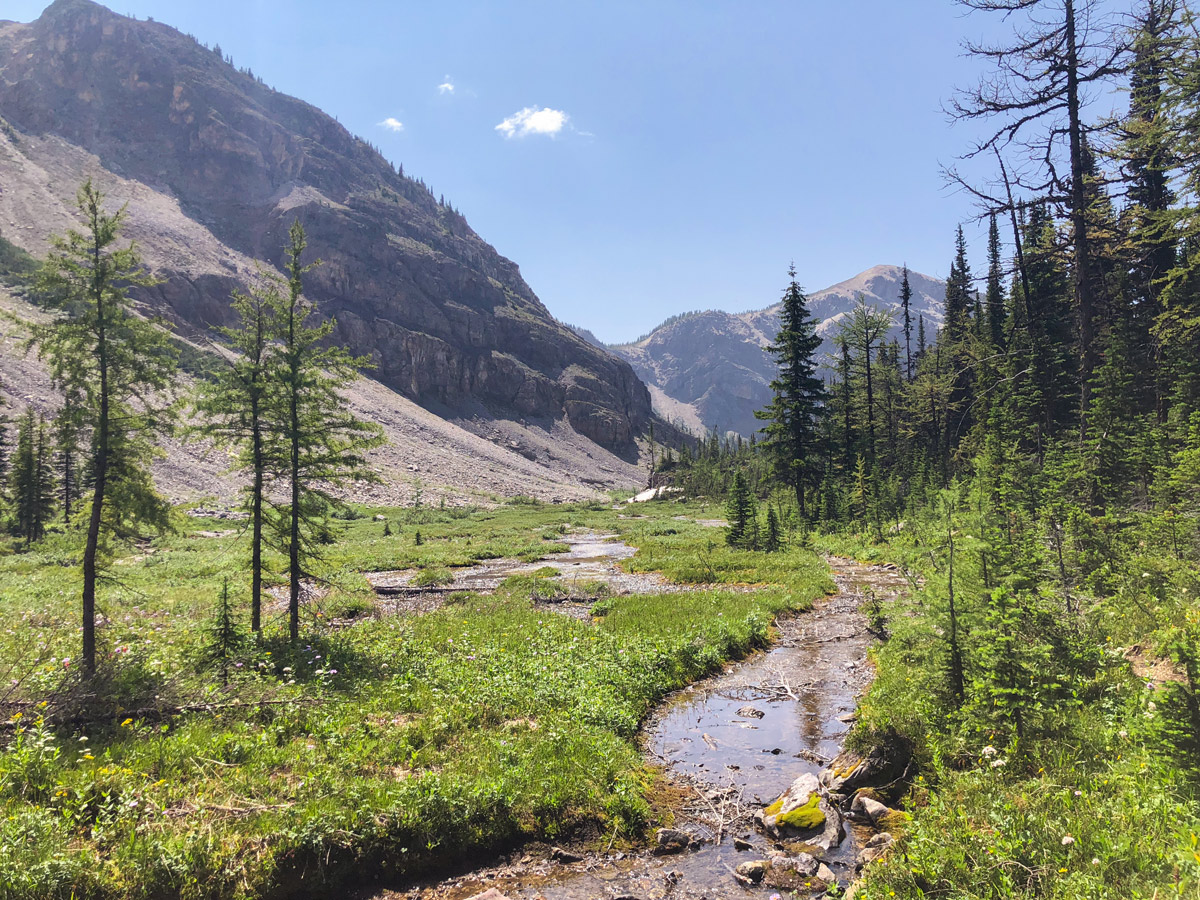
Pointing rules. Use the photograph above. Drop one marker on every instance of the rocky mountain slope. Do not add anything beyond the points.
(709, 370)
(215, 165)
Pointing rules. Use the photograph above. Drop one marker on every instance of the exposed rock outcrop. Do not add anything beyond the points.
(444, 318)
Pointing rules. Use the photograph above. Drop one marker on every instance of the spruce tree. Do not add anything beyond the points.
(994, 309)
(117, 363)
(790, 437)
(739, 511)
(31, 478)
(905, 305)
(321, 444)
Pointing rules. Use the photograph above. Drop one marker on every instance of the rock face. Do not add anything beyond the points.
(711, 365)
(445, 319)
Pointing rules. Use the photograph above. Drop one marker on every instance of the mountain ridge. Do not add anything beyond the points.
(711, 365)
(221, 164)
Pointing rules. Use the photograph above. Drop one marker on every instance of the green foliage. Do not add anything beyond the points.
(393, 743)
(226, 640)
(317, 443)
(31, 478)
(119, 366)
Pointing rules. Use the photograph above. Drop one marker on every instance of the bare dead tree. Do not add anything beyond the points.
(1061, 54)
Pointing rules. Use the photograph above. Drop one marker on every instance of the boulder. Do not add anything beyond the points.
(671, 841)
(489, 894)
(792, 873)
(868, 808)
(802, 811)
(754, 870)
(850, 771)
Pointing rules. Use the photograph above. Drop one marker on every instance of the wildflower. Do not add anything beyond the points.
(1062, 871)
(1122, 733)
(1079, 793)
(1095, 860)
(127, 723)
(1067, 840)
(998, 763)
(989, 751)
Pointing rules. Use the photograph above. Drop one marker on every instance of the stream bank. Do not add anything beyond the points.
(727, 746)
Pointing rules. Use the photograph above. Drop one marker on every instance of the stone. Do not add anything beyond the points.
(850, 771)
(868, 808)
(754, 870)
(874, 848)
(741, 846)
(489, 894)
(791, 873)
(749, 712)
(826, 874)
(565, 856)
(802, 811)
(671, 841)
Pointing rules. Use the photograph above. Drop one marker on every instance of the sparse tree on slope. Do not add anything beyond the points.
(321, 444)
(31, 478)
(234, 408)
(118, 363)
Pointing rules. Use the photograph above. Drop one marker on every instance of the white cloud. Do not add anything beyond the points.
(533, 121)
(446, 87)
(391, 123)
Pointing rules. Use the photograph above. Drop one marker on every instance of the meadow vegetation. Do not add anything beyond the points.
(379, 743)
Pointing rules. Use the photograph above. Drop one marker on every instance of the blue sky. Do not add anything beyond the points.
(674, 154)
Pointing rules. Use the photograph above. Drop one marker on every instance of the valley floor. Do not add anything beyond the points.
(384, 743)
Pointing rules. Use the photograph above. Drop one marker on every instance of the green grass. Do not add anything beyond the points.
(1096, 802)
(383, 748)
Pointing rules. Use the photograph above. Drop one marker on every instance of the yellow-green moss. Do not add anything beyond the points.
(804, 817)
(774, 808)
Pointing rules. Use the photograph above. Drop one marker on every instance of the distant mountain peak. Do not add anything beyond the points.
(711, 366)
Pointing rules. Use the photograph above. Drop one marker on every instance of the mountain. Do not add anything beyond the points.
(215, 165)
(709, 370)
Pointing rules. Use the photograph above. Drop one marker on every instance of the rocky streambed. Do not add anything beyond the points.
(765, 800)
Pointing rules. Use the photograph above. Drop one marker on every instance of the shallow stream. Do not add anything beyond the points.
(729, 744)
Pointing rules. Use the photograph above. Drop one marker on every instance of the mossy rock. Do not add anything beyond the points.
(803, 818)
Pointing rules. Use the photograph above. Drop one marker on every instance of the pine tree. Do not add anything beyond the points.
(234, 408)
(117, 362)
(321, 444)
(994, 303)
(771, 539)
(799, 398)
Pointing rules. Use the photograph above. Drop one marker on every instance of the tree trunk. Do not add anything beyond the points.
(256, 516)
(1084, 302)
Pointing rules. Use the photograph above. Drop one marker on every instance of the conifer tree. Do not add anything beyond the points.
(905, 306)
(66, 442)
(235, 406)
(739, 510)
(771, 539)
(31, 478)
(994, 303)
(117, 363)
(799, 397)
(321, 444)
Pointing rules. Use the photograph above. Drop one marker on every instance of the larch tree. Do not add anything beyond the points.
(793, 416)
(320, 444)
(234, 408)
(119, 364)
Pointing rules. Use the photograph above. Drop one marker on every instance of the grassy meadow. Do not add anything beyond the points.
(380, 744)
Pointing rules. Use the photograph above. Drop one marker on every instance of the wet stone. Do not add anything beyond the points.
(672, 841)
